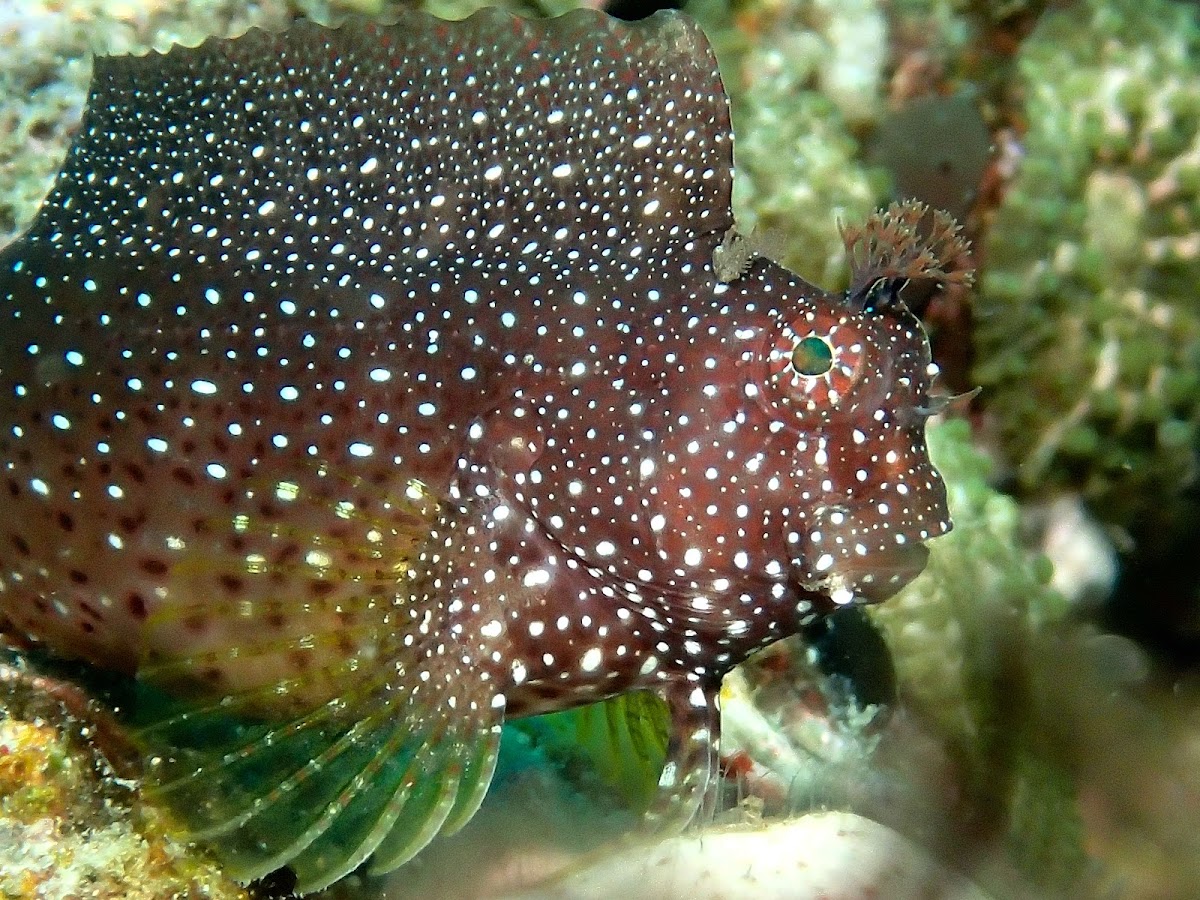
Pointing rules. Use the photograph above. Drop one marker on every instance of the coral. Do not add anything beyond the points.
(955, 41)
(1089, 318)
(979, 642)
(794, 743)
(942, 29)
(802, 75)
(935, 626)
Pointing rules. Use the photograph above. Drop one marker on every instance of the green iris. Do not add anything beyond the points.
(812, 356)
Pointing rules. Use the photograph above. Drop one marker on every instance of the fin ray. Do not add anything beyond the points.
(477, 775)
(689, 782)
(420, 817)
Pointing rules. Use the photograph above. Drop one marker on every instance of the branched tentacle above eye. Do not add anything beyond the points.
(881, 294)
(906, 241)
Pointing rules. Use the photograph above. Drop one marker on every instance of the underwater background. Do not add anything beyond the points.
(1046, 737)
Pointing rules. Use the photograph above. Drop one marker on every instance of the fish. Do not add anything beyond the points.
(364, 387)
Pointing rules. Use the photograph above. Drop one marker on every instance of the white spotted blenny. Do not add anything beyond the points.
(361, 387)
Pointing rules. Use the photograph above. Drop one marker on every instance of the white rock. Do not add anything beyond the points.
(821, 856)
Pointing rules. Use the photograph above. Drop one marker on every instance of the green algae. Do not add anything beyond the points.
(1088, 324)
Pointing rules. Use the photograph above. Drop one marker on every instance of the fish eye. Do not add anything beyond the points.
(812, 356)
(816, 362)
(823, 363)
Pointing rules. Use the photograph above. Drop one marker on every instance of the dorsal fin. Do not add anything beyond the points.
(341, 137)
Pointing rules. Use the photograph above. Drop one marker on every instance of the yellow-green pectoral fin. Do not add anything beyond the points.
(623, 740)
(315, 732)
(375, 771)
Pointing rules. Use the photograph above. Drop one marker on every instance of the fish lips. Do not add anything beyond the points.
(853, 557)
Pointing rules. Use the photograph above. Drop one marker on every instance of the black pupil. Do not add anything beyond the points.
(812, 356)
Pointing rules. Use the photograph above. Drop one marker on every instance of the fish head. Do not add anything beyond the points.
(838, 385)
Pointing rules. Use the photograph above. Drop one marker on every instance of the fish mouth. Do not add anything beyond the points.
(853, 558)
(880, 575)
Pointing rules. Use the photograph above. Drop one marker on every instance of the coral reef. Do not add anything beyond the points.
(1088, 319)
(69, 827)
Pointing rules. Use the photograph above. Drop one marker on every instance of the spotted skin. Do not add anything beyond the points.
(367, 386)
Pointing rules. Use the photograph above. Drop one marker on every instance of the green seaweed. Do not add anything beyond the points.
(620, 744)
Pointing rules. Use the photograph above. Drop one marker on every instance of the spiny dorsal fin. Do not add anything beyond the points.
(282, 132)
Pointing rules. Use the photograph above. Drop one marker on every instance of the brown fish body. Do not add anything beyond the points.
(376, 383)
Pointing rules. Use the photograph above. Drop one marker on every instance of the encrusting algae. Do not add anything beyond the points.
(354, 415)
(69, 825)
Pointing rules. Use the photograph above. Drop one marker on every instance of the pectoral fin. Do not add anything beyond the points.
(622, 740)
(689, 781)
(387, 737)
